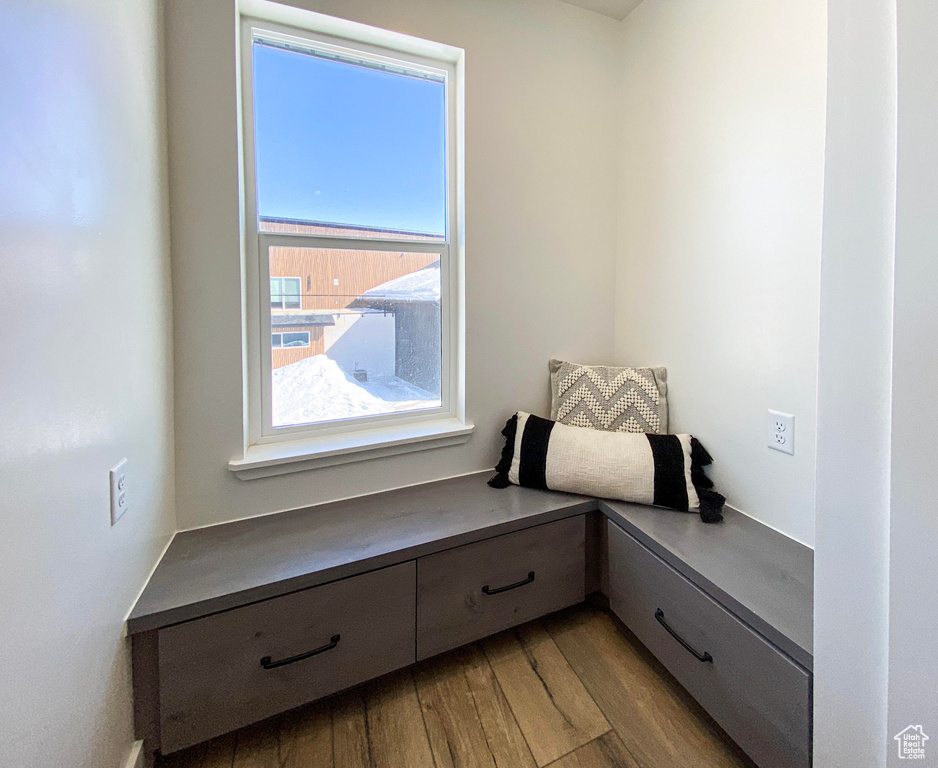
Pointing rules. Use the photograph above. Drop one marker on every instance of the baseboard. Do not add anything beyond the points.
(136, 758)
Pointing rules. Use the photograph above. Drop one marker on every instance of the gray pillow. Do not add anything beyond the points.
(611, 399)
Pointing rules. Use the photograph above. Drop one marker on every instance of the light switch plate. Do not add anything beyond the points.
(781, 432)
(119, 497)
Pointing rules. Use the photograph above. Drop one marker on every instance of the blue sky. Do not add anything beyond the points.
(341, 143)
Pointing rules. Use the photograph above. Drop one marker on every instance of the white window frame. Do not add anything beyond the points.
(274, 450)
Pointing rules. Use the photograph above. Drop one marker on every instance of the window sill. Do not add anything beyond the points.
(329, 450)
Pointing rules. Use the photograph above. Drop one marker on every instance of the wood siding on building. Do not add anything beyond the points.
(318, 269)
(356, 272)
(282, 357)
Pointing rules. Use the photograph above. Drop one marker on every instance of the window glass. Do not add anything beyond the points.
(291, 292)
(300, 339)
(375, 344)
(350, 146)
(347, 144)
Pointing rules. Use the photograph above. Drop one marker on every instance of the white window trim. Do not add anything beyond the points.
(268, 451)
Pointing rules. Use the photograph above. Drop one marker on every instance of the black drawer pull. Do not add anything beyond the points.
(266, 663)
(488, 591)
(659, 615)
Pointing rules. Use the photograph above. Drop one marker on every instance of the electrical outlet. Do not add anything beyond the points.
(781, 429)
(119, 497)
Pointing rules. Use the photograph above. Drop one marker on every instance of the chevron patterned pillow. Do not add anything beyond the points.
(610, 399)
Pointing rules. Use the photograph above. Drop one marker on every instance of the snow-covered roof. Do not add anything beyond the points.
(300, 321)
(422, 285)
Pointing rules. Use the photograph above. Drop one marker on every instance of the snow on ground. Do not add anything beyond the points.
(317, 389)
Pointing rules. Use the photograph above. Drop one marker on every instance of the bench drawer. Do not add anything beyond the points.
(757, 694)
(478, 589)
(233, 668)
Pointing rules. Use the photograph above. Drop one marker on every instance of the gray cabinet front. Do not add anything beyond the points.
(225, 671)
(757, 694)
(478, 589)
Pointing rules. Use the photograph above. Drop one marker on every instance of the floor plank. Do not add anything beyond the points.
(504, 737)
(217, 753)
(607, 751)
(258, 746)
(553, 709)
(350, 747)
(396, 732)
(220, 752)
(658, 723)
(449, 712)
(306, 738)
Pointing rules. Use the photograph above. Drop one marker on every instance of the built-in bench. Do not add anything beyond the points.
(243, 620)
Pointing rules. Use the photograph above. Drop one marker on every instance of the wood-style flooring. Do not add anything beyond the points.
(572, 690)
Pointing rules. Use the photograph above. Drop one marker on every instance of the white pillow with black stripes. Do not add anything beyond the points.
(663, 470)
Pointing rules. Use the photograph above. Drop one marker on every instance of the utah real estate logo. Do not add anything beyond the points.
(911, 743)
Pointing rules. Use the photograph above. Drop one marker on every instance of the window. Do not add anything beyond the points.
(351, 214)
(284, 293)
(287, 340)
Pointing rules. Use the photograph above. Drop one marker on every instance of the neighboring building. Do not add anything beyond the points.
(313, 289)
(414, 301)
(303, 227)
(294, 337)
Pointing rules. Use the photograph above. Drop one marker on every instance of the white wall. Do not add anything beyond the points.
(540, 188)
(720, 231)
(365, 340)
(876, 577)
(851, 577)
(84, 271)
(913, 530)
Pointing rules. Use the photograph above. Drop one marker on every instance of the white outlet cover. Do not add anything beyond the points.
(119, 497)
(780, 430)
